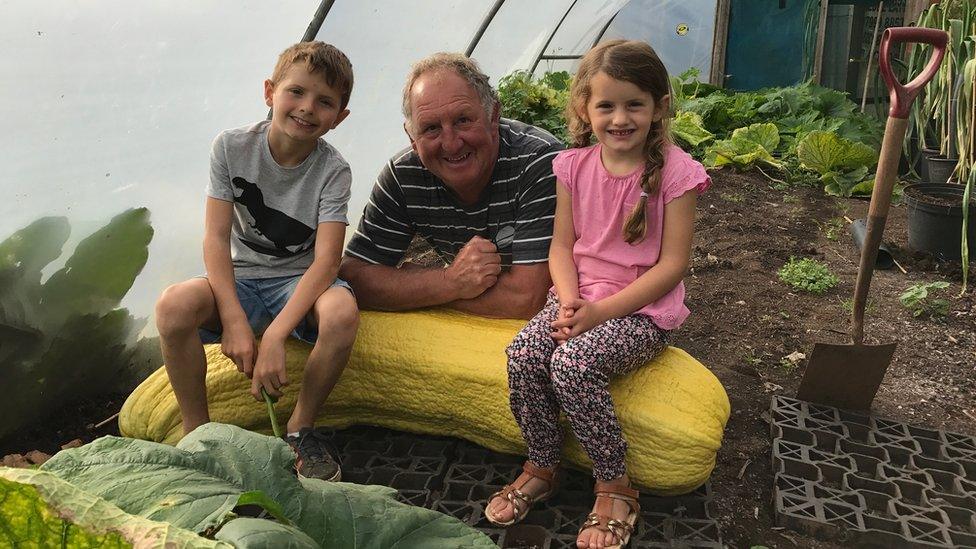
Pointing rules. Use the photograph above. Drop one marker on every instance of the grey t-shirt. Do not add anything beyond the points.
(277, 210)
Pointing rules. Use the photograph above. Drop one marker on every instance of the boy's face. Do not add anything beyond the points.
(304, 107)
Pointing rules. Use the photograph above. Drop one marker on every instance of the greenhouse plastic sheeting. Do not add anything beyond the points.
(113, 105)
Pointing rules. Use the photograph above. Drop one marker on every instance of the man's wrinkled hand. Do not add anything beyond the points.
(476, 268)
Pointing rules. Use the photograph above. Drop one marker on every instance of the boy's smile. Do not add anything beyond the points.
(304, 107)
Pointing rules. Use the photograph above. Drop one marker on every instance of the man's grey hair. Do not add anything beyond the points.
(463, 66)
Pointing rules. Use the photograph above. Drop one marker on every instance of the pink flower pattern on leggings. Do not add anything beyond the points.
(544, 378)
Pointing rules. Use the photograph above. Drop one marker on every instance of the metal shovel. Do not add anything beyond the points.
(848, 376)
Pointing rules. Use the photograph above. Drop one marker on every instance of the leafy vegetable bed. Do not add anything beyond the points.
(234, 486)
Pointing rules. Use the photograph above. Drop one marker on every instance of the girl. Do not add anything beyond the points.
(625, 215)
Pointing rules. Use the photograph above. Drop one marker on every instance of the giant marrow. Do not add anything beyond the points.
(444, 373)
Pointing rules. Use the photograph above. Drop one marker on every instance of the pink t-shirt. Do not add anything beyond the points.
(606, 263)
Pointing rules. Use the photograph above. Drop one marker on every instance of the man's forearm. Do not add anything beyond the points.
(518, 293)
(510, 297)
(385, 288)
(496, 303)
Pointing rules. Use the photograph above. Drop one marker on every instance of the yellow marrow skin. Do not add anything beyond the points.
(444, 373)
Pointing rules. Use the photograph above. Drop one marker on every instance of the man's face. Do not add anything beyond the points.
(450, 131)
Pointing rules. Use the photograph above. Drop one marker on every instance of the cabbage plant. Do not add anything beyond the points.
(221, 486)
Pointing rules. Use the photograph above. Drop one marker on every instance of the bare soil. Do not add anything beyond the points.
(745, 324)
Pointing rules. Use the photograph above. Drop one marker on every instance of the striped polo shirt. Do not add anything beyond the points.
(407, 200)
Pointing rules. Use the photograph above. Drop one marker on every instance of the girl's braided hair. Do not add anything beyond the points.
(635, 62)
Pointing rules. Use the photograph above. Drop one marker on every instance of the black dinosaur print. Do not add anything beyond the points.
(278, 227)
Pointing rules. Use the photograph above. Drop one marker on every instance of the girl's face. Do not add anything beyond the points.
(621, 115)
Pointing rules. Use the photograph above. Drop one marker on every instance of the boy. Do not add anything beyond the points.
(274, 229)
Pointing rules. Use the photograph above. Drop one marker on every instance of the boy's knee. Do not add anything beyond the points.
(338, 322)
(173, 312)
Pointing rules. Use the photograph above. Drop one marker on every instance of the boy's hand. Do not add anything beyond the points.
(476, 268)
(269, 371)
(585, 316)
(237, 344)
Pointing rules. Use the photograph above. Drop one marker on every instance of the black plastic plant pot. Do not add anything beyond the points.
(935, 219)
(940, 168)
(526, 536)
(859, 230)
(923, 162)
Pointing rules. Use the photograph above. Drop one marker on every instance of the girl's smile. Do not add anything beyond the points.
(621, 115)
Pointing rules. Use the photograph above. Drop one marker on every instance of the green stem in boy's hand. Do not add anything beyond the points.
(271, 412)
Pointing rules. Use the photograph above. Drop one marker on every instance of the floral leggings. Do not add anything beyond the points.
(544, 378)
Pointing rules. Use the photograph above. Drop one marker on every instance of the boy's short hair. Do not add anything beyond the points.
(321, 58)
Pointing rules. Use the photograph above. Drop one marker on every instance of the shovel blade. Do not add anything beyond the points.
(845, 376)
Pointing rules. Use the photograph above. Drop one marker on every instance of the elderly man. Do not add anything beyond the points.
(478, 188)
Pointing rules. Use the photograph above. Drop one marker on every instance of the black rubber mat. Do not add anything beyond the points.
(456, 477)
(870, 481)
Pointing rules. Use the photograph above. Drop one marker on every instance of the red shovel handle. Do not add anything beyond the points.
(902, 95)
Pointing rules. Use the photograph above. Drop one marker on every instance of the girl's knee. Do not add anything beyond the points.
(524, 359)
(562, 371)
(529, 342)
(571, 368)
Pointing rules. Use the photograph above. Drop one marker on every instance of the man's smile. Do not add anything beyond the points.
(457, 159)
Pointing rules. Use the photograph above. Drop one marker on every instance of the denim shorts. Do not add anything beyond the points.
(263, 299)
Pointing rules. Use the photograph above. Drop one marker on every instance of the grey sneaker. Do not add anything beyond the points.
(314, 455)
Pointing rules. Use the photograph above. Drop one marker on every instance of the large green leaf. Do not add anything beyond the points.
(38, 509)
(722, 153)
(198, 484)
(689, 128)
(86, 356)
(831, 103)
(847, 183)
(254, 533)
(19, 336)
(766, 135)
(30, 249)
(714, 109)
(825, 152)
(102, 268)
(785, 101)
(22, 257)
(748, 146)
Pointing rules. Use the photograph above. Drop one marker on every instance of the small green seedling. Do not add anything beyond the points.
(751, 358)
(832, 228)
(917, 300)
(732, 197)
(848, 305)
(808, 275)
(791, 362)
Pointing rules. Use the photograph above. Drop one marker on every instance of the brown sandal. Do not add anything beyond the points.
(621, 529)
(522, 502)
